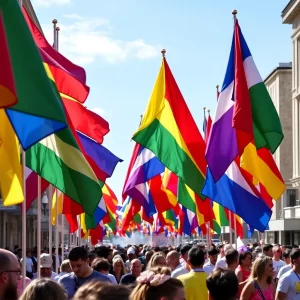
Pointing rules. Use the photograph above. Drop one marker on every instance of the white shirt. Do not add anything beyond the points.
(112, 278)
(277, 265)
(221, 263)
(289, 284)
(53, 275)
(208, 267)
(283, 270)
(179, 271)
(29, 264)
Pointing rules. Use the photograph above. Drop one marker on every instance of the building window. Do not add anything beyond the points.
(291, 198)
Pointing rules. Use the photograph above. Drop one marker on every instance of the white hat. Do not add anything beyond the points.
(46, 261)
(130, 250)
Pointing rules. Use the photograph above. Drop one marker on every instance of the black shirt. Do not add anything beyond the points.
(128, 279)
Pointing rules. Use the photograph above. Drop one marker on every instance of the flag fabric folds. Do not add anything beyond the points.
(170, 132)
(24, 73)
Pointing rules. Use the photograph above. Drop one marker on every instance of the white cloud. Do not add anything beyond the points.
(47, 3)
(98, 110)
(83, 40)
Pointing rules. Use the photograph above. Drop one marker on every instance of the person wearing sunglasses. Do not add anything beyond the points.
(10, 272)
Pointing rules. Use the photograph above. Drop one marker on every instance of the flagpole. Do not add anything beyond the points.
(62, 229)
(54, 33)
(235, 234)
(217, 87)
(230, 227)
(24, 231)
(50, 218)
(39, 227)
(56, 232)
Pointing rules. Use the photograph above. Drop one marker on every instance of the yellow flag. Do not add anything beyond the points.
(10, 166)
(60, 204)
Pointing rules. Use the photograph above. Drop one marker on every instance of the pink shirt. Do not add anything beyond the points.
(20, 285)
(268, 294)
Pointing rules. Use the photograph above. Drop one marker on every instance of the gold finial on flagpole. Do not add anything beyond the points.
(141, 120)
(234, 12)
(54, 21)
(57, 29)
(204, 108)
(163, 52)
(208, 111)
(217, 87)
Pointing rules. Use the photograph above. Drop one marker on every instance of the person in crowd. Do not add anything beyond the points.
(268, 250)
(277, 262)
(119, 268)
(157, 259)
(184, 250)
(91, 257)
(173, 262)
(148, 256)
(135, 271)
(102, 265)
(16, 247)
(99, 290)
(260, 284)
(10, 272)
(212, 260)
(222, 284)
(287, 259)
(221, 251)
(65, 268)
(20, 288)
(243, 270)
(232, 259)
(288, 287)
(44, 289)
(29, 264)
(82, 272)
(157, 284)
(46, 267)
(221, 263)
(195, 281)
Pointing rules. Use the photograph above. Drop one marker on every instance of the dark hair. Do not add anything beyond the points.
(231, 256)
(212, 251)
(95, 290)
(222, 285)
(102, 251)
(267, 247)
(294, 255)
(78, 253)
(196, 256)
(100, 264)
(286, 253)
(185, 249)
(243, 255)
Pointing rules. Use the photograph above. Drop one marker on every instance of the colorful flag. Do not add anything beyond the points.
(70, 78)
(170, 132)
(11, 188)
(245, 113)
(38, 111)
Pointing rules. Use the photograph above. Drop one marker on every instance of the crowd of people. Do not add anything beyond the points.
(142, 272)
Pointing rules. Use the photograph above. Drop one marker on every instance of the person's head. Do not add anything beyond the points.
(245, 259)
(28, 253)
(184, 250)
(157, 284)
(232, 258)
(263, 268)
(268, 250)
(148, 255)
(295, 258)
(222, 285)
(79, 261)
(91, 257)
(286, 256)
(46, 265)
(131, 253)
(157, 259)
(45, 289)
(221, 249)
(19, 253)
(65, 266)
(213, 255)
(101, 265)
(102, 251)
(196, 258)
(95, 290)
(10, 272)
(173, 259)
(135, 267)
(276, 252)
(118, 265)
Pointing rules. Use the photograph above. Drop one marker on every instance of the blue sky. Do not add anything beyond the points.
(118, 42)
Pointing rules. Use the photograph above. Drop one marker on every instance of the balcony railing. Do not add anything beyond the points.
(292, 212)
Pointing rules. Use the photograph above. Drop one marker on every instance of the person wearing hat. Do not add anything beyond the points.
(131, 256)
(46, 267)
